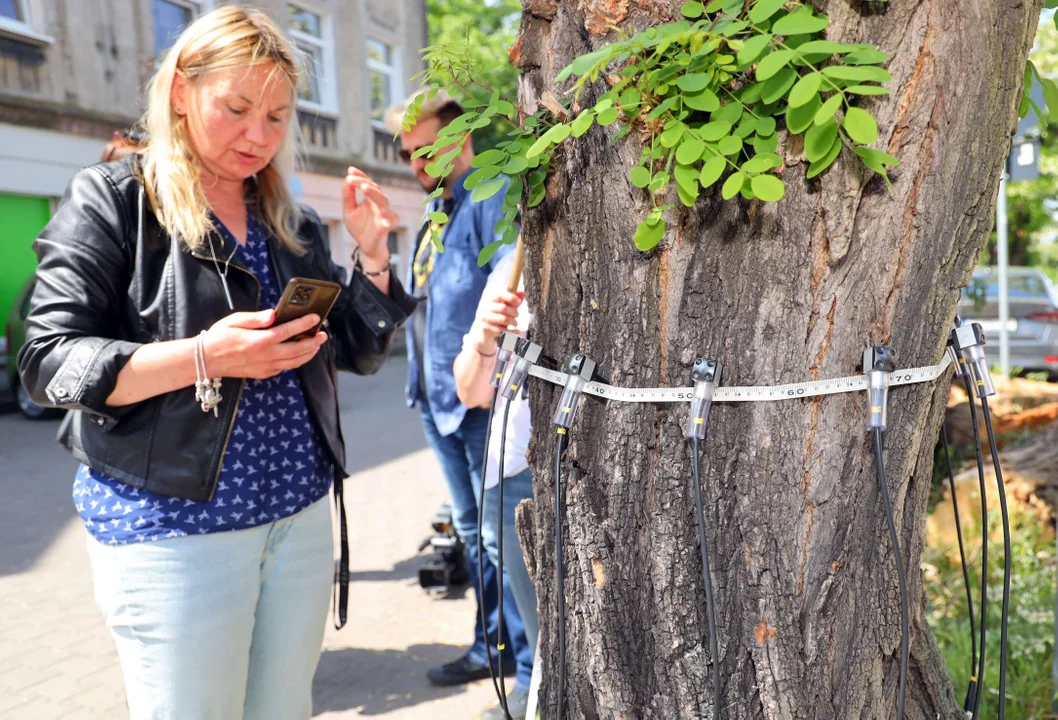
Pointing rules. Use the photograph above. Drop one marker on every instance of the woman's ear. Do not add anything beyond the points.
(178, 94)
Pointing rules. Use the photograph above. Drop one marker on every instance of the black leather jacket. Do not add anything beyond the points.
(110, 279)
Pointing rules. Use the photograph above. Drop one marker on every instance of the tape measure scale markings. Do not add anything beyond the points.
(749, 393)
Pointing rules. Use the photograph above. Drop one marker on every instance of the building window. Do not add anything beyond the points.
(170, 19)
(13, 10)
(16, 22)
(312, 34)
(384, 77)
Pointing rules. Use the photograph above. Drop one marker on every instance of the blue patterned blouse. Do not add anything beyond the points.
(274, 467)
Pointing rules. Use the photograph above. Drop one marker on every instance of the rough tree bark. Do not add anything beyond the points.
(808, 610)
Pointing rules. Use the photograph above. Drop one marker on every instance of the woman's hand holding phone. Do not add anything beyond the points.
(250, 345)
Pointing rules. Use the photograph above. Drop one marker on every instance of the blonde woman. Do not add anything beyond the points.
(208, 442)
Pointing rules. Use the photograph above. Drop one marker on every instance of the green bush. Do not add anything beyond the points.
(1032, 607)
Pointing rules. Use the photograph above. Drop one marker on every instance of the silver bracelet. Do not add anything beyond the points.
(207, 391)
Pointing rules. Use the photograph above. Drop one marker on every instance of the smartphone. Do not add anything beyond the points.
(303, 296)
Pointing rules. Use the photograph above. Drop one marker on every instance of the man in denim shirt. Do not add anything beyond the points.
(449, 285)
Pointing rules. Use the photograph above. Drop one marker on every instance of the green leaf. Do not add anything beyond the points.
(663, 108)
(867, 90)
(687, 179)
(732, 185)
(751, 93)
(714, 6)
(773, 63)
(670, 137)
(766, 144)
(752, 49)
(800, 23)
(824, 47)
(489, 157)
(712, 170)
(867, 73)
(586, 62)
(778, 85)
(692, 10)
(800, 119)
(819, 139)
(768, 188)
(733, 7)
(607, 117)
(660, 180)
(866, 57)
(805, 89)
(715, 130)
(692, 82)
(629, 98)
(537, 148)
(826, 161)
(766, 126)
(439, 217)
(487, 190)
(706, 101)
(746, 126)
(516, 165)
(477, 177)
(729, 145)
(639, 176)
(649, 235)
(558, 133)
(690, 151)
(827, 110)
(764, 9)
(761, 162)
(876, 159)
(860, 126)
(731, 113)
(1050, 96)
(581, 125)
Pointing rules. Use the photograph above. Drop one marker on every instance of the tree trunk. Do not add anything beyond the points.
(807, 606)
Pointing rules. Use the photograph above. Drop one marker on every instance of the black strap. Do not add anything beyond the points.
(341, 572)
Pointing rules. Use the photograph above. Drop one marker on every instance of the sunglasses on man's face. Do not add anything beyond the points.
(405, 155)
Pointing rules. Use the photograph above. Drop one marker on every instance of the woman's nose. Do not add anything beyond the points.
(256, 131)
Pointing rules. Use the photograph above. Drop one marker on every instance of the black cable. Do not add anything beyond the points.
(481, 560)
(894, 538)
(710, 611)
(499, 550)
(560, 444)
(965, 568)
(983, 645)
(1006, 559)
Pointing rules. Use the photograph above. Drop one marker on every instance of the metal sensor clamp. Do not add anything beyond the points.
(526, 355)
(878, 363)
(969, 340)
(579, 370)
(705, 376)
(505, 346)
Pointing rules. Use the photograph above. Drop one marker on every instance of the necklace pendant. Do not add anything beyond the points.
(227, 293)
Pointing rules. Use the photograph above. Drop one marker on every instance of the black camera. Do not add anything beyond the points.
(447, 566)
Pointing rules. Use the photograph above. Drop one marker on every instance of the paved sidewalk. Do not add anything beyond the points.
(57, 659)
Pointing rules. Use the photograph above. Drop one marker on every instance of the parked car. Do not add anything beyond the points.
(16, 337)
(1032, 326)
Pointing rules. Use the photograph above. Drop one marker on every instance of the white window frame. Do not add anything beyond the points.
(23, 29)
(197, 8)
(328, 81)
(393, 71)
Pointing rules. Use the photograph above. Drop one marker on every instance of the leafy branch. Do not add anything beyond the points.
(705, 95)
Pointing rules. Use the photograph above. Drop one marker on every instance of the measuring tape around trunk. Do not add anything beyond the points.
(749, 393)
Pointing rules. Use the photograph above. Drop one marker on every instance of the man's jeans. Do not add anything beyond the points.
(461, 455)
(515, 489)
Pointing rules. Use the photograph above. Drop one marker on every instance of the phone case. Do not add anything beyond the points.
(303, 296)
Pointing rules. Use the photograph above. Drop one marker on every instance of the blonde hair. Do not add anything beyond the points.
(430, 107)
(227, 37)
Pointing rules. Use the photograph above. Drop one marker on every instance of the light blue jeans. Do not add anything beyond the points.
(221, 626)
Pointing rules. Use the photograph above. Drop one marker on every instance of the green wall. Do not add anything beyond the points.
(21, 220)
